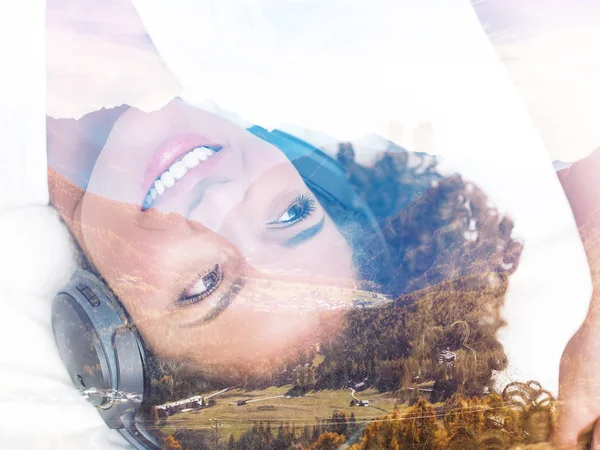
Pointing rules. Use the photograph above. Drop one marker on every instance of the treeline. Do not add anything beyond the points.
(524, 414)
(462, 423)
(288, 436)
(266, 435)
(403, 345)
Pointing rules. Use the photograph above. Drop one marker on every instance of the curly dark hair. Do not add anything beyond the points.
(436, 227)
(451, 255)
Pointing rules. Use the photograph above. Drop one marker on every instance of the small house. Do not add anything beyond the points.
(191, 403)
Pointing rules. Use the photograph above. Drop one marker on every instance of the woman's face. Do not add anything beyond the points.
(228, 259)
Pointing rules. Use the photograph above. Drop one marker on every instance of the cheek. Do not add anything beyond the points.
(267, 322)
(329, 255)
(139, 262)
(246, 339)
(138, 274)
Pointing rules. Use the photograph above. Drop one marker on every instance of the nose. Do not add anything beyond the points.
(235, 214)
(235, 206)
(241, 230)
(218, 202)
(241, 223)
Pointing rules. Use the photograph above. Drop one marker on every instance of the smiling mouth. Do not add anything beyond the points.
(178, 170)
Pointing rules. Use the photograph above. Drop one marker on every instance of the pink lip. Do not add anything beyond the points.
(168, 153)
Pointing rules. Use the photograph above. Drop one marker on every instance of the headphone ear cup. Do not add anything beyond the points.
(102, 352)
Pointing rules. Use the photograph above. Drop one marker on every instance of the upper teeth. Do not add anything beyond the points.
(176, 172)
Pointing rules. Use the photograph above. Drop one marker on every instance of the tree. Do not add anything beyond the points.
(352, 423)
(394, 444)
(285, 437)
(338, 422)
(380, 433)
(163, 388)
(267, 435)
(316, 431)
(467, 414)
(328, 441)
(419, 426)
(305, 434)
(171, 443)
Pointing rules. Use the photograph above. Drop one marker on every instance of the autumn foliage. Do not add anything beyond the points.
(523, 415)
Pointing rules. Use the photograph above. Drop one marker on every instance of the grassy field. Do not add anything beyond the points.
(301, 410)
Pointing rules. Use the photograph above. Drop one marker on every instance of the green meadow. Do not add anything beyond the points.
(269, 405)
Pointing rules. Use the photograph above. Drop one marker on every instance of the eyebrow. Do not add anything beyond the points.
(221, 306)
(305, 235)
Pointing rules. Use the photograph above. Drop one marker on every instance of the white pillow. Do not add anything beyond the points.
(39, 407)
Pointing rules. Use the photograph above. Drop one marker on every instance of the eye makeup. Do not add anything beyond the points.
(205, 284)
(221, 305)
(300, 209)
(227, 298)
(305, 235)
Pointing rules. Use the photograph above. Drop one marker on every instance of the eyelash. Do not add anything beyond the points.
(184, 300)
(305, 202)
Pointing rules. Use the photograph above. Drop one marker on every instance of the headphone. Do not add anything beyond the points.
(100, 347)
(103, 354)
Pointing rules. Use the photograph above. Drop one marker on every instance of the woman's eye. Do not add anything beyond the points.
(300, 209)
(205, 286)
(291, 214)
